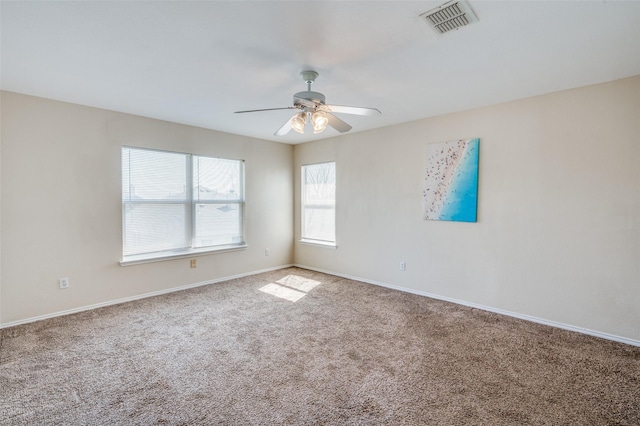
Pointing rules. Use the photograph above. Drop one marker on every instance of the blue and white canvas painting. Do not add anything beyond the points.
(451, 181)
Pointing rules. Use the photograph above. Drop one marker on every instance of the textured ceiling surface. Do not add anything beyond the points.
(198, 62)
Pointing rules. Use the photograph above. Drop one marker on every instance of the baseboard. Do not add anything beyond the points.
(138, 297)
(537, 320)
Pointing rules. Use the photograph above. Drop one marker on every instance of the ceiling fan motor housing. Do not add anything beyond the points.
(315, 97)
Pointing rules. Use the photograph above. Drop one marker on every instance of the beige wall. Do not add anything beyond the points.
(61, 208)
(558, 231)
(0, 203)
(557, 237)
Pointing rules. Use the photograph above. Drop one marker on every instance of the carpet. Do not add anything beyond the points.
(297, 347)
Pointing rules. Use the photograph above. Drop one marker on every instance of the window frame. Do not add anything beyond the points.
(190, 204)
(313, 241)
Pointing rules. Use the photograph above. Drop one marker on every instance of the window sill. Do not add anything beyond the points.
(148, 258)
(317, 243)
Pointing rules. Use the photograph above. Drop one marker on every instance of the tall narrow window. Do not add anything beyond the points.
(175, 203)
(319, 203)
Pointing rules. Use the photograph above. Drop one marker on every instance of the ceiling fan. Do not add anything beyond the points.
(313, 109)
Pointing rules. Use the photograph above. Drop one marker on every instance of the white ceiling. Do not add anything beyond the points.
(198, 62)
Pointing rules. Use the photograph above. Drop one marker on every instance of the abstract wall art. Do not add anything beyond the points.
(451, 181)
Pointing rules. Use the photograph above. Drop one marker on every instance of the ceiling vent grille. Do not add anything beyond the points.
(450, 16)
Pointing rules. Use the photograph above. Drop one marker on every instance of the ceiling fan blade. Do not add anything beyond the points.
(352, 110)
(338, 124)
(286, 127)
(267, 109)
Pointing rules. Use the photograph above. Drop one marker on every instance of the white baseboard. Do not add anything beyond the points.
(138, 297)
(587, 331)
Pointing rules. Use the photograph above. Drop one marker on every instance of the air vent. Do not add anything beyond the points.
(450, 16)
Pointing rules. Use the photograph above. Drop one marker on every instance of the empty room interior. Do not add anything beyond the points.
(301, 212)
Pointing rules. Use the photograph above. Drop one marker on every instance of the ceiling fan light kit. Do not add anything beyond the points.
(299, 121)
(320, 121)
(313, 105)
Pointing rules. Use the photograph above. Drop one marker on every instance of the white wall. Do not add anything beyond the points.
(558, 231)
(61, 206)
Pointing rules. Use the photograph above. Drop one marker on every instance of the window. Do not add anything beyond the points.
(175, 203)
(319, 203)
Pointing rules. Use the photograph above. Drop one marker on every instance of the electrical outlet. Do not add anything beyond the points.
(403, 266)
(64, 282)
(267, 252)
(193, 264)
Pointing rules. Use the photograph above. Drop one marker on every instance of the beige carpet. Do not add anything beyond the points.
(345, 353)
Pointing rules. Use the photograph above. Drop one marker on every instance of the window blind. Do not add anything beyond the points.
(176, 202)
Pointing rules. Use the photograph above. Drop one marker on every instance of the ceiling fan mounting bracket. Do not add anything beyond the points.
(309, 76)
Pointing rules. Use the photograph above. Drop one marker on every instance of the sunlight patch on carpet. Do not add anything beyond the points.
(291, 287)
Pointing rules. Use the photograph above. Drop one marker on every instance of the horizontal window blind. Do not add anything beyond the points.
(218, 199)
(176, 202)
